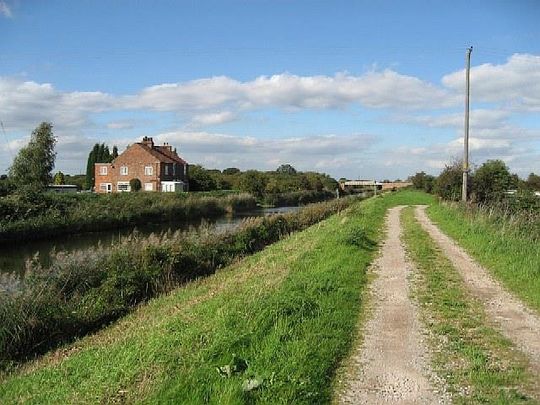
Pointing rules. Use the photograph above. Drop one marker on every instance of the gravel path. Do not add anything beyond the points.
(517, 322)
(391, 366)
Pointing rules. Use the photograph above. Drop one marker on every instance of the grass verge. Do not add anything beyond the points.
(270, 329)
(476, 361)
(513, 256)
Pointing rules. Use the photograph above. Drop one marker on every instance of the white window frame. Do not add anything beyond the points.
(148, 170)
(124, 170)
(105, 187)
(103, 171)
(120, 187)
(148, 186)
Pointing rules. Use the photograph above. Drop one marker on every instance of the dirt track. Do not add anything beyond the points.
(391, 366)
(517, 322)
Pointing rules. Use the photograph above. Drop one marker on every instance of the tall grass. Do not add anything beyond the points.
(295, 198)
(85, 290)
(506, 241)
(43, 215)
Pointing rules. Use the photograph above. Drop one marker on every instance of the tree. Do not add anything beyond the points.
(422, 181)
(99, 154)
(90, 164)
(253, 182)
(492, 180)
(33, 165)
(448, 184)
(231, 170)
(533, 182)
(286, 169)
(200, 179)
(135, 184)
(272, 187)
(114, 154)
(59, 179)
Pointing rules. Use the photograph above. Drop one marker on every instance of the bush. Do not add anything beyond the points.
(492, 180)
(448, 184)
(135, 184)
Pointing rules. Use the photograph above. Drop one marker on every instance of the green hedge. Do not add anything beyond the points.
(86, 290)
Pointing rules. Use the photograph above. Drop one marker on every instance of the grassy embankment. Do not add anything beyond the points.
(44, 215)
(507, 244)
(271, 328)
(85, 290)
(478, 364)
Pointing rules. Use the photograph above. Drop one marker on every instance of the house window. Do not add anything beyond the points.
(148, 186)
(123, 186)
(185, 170)
(167, 167)
(124, 170)
(174, 169)
(148, 170)
(106, 187)
(103, 170)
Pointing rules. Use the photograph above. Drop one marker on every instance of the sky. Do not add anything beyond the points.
(355, 89)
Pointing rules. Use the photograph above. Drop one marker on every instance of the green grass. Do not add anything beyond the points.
(512, 255)
(283, 318)
(476, 361)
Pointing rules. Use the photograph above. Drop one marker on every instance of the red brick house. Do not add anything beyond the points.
(159, 168)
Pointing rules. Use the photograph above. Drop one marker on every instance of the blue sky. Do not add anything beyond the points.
(358, 89)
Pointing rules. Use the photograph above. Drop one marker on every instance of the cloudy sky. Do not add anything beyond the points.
(357, 89)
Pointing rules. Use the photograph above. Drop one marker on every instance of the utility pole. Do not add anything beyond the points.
(466, 132)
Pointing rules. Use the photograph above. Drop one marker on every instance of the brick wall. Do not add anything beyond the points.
(136, 158)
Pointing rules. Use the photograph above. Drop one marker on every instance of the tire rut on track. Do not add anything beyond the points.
(392, 364)
(516, 321)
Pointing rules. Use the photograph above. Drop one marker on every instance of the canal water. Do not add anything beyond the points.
(13, 257)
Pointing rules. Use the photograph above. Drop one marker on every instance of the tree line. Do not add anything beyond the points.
(284, 179)
(490, 182)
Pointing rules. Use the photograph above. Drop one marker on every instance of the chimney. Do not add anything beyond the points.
(167, 146)
(148, 142)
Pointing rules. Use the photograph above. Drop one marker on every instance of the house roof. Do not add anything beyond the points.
(163, 154)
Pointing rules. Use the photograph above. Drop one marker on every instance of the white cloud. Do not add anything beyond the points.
(24, 104)
(324, 152)
(213, 118)
(503, 90)
(5, 10)
(376, 89)
(515, 83)
(124, 124)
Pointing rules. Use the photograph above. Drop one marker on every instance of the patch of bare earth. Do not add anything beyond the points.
(516, 321)
(392, 365)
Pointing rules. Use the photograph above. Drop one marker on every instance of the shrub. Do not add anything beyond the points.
(135, 184)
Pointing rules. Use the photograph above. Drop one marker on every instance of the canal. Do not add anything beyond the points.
(13, 257)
